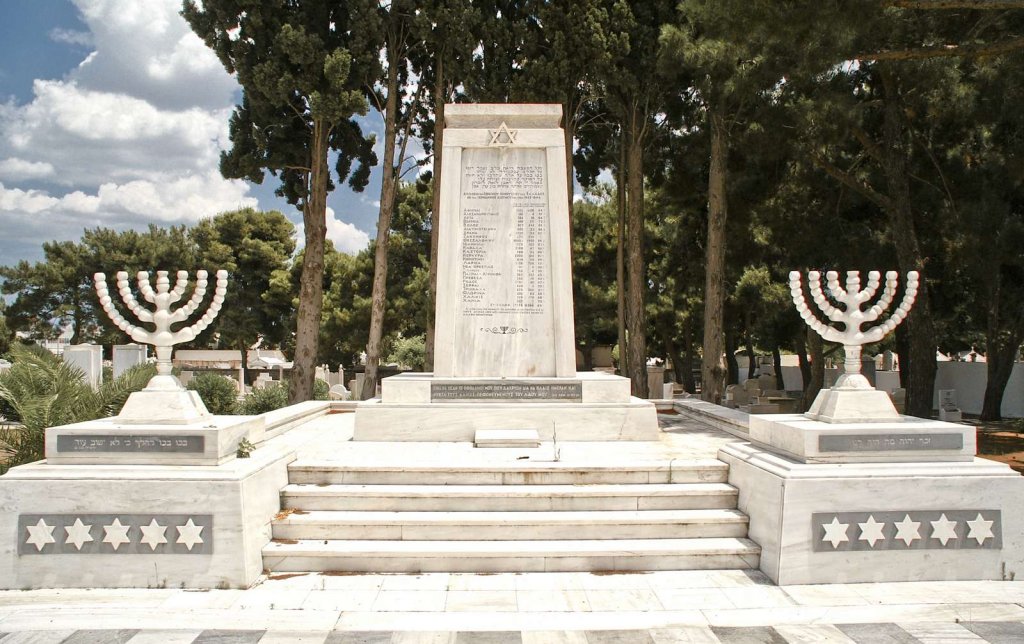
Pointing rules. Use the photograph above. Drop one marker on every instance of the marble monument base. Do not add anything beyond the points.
(131, 526)
(879, 522)
(592, 406)
(212, 441)
(905, 439)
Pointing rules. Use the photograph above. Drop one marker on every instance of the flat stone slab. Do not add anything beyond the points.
(905, 440)
(109, 441)
(507, 438)
(585, 387)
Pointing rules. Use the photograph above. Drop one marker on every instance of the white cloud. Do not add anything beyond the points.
(16, 169)
(345, 236)
(71, 37)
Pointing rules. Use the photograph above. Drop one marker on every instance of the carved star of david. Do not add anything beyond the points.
(496, 136)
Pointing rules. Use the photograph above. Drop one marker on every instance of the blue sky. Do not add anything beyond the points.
(113, 114)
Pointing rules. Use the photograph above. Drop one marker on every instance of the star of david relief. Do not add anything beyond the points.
(913, 530)
(88, 533)
(503, 137)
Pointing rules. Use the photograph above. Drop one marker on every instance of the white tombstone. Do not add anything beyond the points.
(948, 409)
(262, 381)
(127, 356)
(88, 358)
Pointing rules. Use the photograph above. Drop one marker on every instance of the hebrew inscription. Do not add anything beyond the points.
(133, 443)
(889, 442)
(506, 391)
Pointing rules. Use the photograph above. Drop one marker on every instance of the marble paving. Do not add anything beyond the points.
(656, 607)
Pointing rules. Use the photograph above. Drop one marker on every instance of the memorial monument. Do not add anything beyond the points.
(852, 491)
(504, 330)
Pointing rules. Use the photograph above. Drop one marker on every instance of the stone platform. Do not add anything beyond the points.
(591, 406)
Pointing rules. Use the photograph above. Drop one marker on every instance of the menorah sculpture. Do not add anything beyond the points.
(852, 399)
(164, 400)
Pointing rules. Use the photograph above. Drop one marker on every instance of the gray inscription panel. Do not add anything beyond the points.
(888, 442)
(907, 530)
(130, 443)
(115, 534)
(508, 390)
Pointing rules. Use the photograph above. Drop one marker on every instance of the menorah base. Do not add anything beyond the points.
(852, 405)
(164, 407)
(906, 439)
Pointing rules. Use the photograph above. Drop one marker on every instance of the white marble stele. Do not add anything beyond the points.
(826, 523)
(505, 354)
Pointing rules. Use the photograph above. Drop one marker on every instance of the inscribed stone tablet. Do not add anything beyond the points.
(504, 289)
(130, 443)
(888, 442)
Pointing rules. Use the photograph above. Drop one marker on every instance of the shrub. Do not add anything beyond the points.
(409, 353)
(219, 394)
(260, 401)
(40, 390)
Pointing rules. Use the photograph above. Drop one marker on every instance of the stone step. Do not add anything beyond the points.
(510, 556)
(510, 526)
(501, 438)
(509, 498)
(514, 473)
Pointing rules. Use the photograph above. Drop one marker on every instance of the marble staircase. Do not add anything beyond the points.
(509, 517)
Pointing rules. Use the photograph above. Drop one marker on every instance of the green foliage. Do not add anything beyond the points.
(245, 448)
(40, 390)
(260, 401)
(219, 394)
(408, 353)
(275, 396)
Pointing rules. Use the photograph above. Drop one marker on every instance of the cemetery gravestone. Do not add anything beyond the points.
(88, 358)
(127, 356)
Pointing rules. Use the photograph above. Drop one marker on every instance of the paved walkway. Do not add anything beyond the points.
(657, 607)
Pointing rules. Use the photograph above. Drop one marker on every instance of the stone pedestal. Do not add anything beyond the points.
(879, 522)
(154, 526)
(593, 406)
(908, 439)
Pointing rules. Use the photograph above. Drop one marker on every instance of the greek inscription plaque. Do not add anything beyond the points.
(888, 442)
(130, 443)
(511, 390)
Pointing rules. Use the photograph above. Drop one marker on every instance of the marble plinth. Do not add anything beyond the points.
(907, 439)
(178, 406)
(592, 406)
(879, 522)
(634, 421)
(151, 526)
(212, 441)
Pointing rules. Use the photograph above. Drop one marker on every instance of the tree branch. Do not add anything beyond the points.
(848, 180)
(947, 51)
(956, 4)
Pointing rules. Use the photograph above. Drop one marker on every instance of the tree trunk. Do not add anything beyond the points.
(751, 356)
(311, 283)
(732, 368)
(780, 382)
(636, 319)
(671, 350)
(801, 355)
(440, 96)
(687, 369)
(1001, 347)
(620, 266)
(713, 370)
(920, 325)
(380, 258)
(812, 386)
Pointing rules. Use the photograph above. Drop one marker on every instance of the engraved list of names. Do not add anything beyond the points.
(505, 263)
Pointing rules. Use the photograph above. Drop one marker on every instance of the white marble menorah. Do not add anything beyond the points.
(853, 315)
(162, 337)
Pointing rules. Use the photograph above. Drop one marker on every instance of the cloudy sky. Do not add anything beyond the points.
(112, 113)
